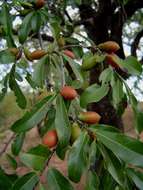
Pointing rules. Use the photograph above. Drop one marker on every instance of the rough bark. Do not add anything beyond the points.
(102, 28)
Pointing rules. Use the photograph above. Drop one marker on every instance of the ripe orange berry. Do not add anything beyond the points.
(109, 46)
(68, 92)
(69, 54)
(50, 139)
(89, 117)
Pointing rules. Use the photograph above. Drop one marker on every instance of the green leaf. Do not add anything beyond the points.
(106, 75)
(77, 158)
(137, 177)
(139, 121)
(6, 57)
(30, 81)
(75, 67)
(17, 143)
(113, 164)
(26, 182)
(25, 28)
(56, 181)
(105, 127)
(93, 93)
(92, 181)
(128, 149)
(56, 28)
(20, 98)
(12, 161)
(36, 157)
(5, 182)
(50, 123)
(62, 125)
(36, 21)
(117, 91)
(92, 153)
(6, 20)
(32, 118)
(132, 65)
(132, 98)
(39, 74)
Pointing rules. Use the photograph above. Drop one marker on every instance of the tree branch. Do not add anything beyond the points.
(6, 145)
(135, 43)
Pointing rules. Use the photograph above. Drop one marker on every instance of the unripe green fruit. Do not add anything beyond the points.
(75, 132)
(109, 46)
(61, 41)
(89, 117)
(89, 62)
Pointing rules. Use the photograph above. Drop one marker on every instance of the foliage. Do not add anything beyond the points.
(120, 156)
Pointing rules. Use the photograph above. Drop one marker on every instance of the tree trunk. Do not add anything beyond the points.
(100, 29)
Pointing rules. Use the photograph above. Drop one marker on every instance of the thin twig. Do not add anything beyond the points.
(62, 72)
(4, 149)
(47, 162)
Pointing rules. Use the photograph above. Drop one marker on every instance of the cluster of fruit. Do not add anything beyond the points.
(50, 139)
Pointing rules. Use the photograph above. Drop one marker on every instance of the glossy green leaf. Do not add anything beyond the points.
(105, 127)
(36, 157)
(17, 143)
(26, 182)
(77, 158)
(93, 93)
(113, 165)
(62, 125)
(20, 98)
(75, 67)
(92, 181)
(128, 149)
(25, 28)
(12, 161)
(32, 118)
(56, 181)
(136, 176)
(39, 74)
